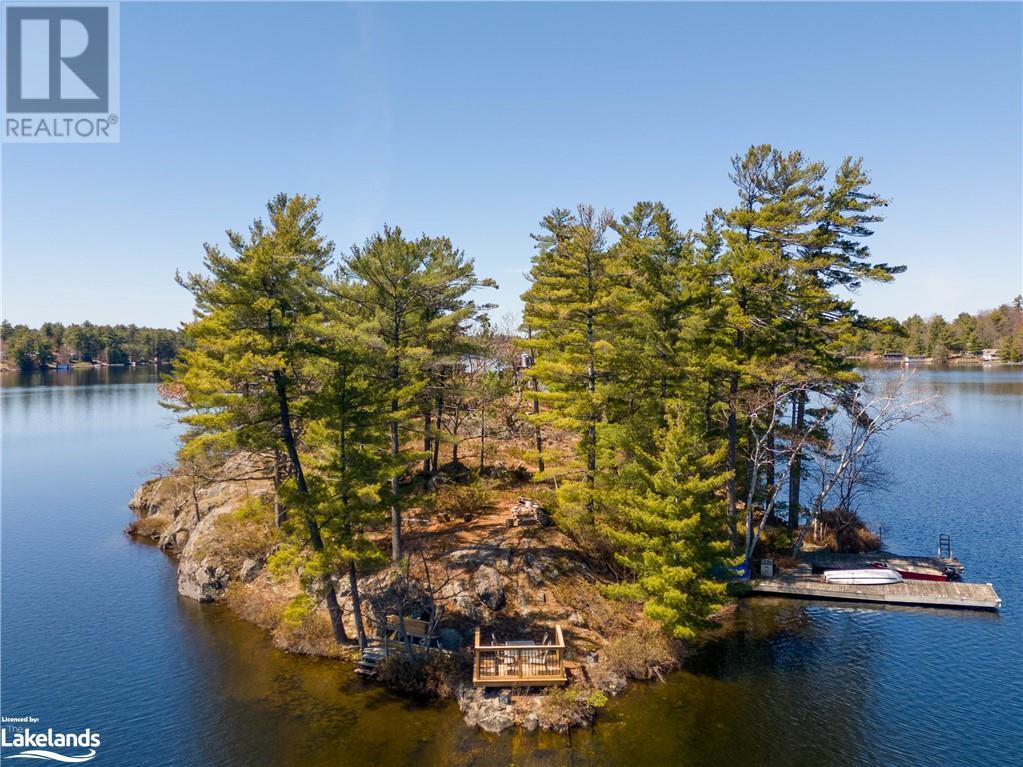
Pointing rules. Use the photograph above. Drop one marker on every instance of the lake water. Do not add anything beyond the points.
(94, 634)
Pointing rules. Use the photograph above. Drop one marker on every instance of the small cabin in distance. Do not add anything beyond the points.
(989, 355)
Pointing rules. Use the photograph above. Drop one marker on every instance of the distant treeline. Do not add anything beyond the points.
(968, 334)
(54, 343)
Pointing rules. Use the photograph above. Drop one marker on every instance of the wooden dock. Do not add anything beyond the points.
(956, 594)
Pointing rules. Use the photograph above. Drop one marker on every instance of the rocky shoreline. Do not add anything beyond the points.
(512, 581)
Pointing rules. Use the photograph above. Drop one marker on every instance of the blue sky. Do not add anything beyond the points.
(473, 120)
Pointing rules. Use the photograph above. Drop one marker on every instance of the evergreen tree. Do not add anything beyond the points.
(573, 312)
(255, 320)
(779, 198)
(670, 528)
(347, 438)
(939, 338)
(834, 256)
(409, 295)
(657, 265)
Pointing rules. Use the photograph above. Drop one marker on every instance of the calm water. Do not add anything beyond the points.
(94, 635)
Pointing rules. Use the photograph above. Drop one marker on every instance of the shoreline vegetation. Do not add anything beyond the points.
(359, 433)
(994, 336)
(56, 346)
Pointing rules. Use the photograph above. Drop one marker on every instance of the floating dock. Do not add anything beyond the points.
(956, 594)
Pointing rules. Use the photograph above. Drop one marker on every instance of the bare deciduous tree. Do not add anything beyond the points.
(875, 407)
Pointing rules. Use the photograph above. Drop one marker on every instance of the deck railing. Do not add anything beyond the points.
(519, 664)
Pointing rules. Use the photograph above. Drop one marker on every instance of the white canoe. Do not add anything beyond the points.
(869, 576)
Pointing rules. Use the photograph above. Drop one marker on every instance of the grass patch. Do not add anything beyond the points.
(295, 625)
(255, 604)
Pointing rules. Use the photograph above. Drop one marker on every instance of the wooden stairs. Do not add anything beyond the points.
(369, 659)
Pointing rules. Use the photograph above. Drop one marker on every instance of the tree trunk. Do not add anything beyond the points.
(536, 407)
(752, 476)
(427, 441)
(280, 515)
(483, 435)
(436, 440)
(795, 461)
(360, 627)
(395, 450)
(538, 434)
(730, 462)
(591, 431)
(315, 539)
(395, 488)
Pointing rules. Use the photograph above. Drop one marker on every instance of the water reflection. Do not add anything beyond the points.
(84, 376)
(94, 635)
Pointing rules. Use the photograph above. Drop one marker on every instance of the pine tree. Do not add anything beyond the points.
(656, 262)
(791, 242)
(408, 295)
(835, 256)
(778, 198)
(347, 438)
(571, 308)
(254, 325)
(670, 529)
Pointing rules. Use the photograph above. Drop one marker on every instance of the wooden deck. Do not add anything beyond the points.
(971, 596)
(519, 664)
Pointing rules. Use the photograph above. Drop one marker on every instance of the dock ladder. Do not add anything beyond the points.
(944, 546)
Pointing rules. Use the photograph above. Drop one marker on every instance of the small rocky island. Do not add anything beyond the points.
(663, 397)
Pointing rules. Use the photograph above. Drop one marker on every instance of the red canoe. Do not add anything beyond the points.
(916, 575)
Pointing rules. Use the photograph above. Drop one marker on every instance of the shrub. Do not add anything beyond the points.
(459, 500)
(149, 527)
(561, 709)
(298, 610)
(255, 605)
(306, 631)
(428, 674)
(845, 532)
(641, 653)
(295, 625)
(284, 562)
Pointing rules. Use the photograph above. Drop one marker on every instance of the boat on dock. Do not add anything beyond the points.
(921, 574)
(866, 576)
